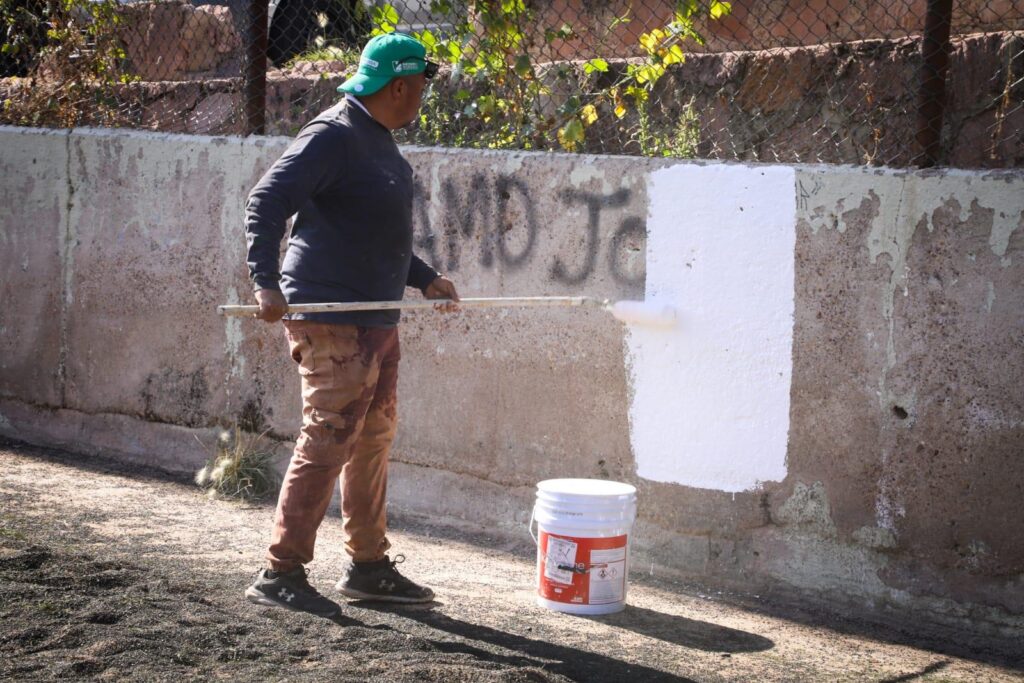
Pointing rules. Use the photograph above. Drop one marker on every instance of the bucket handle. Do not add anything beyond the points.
(533, 518)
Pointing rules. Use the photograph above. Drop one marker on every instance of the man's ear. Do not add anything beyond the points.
(398, 88)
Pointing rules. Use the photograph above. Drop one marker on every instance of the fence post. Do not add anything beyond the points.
(255, 87)
(931, 101)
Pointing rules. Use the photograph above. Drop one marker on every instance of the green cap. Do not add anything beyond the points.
(384, 57)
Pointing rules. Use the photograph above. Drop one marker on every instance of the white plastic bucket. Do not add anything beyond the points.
(583, 528)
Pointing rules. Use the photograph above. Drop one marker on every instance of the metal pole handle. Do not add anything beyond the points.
(235, 310)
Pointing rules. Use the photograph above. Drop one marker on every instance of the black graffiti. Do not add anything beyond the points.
(462, 215)
(629, 238)
(499, 215)
(505, 185)
(425, 242)
(595, 203)
(803, 195)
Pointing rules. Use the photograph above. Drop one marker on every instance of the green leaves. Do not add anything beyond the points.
(648, 74)
(719, 9)
(389, 14)
(522, 67)
(487, 105)
(685, 10)
(428, 39)
(443, 7)
(385, 20)
(497, 89)
(571, 135)
(446, 50)
(565, 32)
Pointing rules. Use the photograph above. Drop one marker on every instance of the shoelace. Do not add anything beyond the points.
(391, 569)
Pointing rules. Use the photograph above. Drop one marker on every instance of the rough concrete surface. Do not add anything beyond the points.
(906, 425)
(906, 286)
(115, 573)
(34, 195)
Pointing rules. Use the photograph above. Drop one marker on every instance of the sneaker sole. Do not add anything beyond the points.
(359, 595)
(259, 598)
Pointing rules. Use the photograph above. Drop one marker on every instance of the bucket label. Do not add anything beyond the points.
(607, 575)
(561, 560)
(588, 571)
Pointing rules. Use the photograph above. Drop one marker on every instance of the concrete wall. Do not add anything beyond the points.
(854, 335)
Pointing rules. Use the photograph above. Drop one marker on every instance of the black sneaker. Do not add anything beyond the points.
(290, 590)
(381, 581)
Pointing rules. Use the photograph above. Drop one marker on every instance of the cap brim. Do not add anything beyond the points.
(361, 84)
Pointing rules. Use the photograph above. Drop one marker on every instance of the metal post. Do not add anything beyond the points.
(255, 88)
(931, 99)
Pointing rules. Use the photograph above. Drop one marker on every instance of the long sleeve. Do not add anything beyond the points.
(420, 274)
(312, 162)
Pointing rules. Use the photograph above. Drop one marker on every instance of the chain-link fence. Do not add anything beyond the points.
(906, 82)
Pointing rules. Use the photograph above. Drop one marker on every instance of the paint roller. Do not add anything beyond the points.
(643, 313)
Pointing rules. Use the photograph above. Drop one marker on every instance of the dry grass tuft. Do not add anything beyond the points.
(241, 467)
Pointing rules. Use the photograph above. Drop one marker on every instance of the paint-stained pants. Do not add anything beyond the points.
(349, 392)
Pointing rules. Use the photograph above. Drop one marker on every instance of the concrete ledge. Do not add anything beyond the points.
(131, 439)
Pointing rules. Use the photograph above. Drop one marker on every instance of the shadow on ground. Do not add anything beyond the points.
(910, 630)
(566, 661)
(700, 635)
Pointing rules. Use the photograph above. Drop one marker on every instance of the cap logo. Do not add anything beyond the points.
(404, 66)
(366, 61)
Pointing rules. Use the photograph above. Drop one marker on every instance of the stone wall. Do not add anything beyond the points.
(757, 24)
(175, 40)
(849, 103)
(841, 103)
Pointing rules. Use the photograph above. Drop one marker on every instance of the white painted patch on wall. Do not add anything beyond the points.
(710, 401)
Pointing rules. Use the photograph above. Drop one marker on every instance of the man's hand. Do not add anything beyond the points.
(442, 288)
(272, 305)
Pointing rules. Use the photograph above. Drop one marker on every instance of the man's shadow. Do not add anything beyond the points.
(578, 664)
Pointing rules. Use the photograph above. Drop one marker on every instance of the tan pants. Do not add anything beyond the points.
(349, 393)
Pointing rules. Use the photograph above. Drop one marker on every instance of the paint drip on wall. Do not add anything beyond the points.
(710, 400)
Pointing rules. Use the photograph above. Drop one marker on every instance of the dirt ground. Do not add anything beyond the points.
(111, 572)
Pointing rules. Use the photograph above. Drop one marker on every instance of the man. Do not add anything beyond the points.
(351, 191)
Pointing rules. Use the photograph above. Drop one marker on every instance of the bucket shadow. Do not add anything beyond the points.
(577, 665)
(691, 633)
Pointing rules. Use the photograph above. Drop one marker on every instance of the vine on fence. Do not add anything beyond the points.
(60, 51)
(508, 99)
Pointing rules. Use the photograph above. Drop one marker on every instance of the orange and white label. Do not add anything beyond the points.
(583, 571)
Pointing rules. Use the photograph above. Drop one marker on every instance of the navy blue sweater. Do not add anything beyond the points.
(351, 193)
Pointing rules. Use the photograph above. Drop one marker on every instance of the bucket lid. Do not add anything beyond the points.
(586, 487)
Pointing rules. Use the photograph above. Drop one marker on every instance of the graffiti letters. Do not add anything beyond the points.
(495, 218)
(595, 203)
